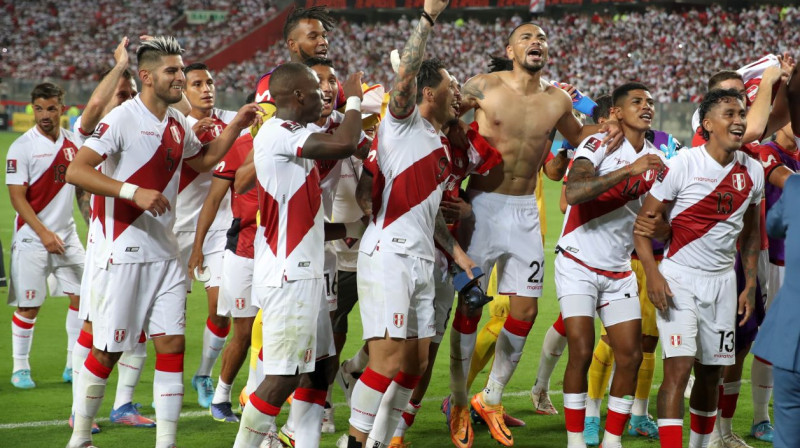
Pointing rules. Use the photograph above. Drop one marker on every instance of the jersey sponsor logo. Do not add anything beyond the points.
(100, 130)
(291, 126)
(769, 162)
(592, 144)
(264, 96)
(69, 153)
(399, 320)
(220, 167)
(675, 340)
(11, 166)
(120, 334)
(239, 303)
(30, 294)
(739, 181)
(176, 134)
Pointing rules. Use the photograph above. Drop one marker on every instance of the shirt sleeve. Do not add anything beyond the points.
(226, 168)
(591, 149)
(770, 159)
(17, 172)
(295, 137)
(758, 182)
(191, 144)
(107, 136)
(668, 181)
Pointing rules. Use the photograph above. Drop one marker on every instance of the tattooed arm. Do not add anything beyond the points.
(584, 185)
(84, 203)
(449, 244)
(750, 240)
(472, 93)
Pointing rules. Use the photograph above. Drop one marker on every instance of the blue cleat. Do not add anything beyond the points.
(67, 375)
(763, 431)
(643, 425)
(128, 414)
(21, 379)
(223, 412)
(205, 390)
(591, 431)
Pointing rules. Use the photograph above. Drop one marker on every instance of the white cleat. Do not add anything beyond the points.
(541, 403)
(733, 441)
(342, 442)
(328, 426)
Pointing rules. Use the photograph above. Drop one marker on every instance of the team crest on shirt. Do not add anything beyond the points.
(592, 144)
(239, 302)
(30, 294)
(649, 175)
(399, 320)
(11, 166)
(120, 334)
(176, 133)
(739, 181)
(675, 340)
(216, 131)
(69, 153)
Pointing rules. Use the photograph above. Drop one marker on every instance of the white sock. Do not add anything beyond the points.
(91, 389)
(639, 407)
(307, 406)
(252, 383)
(213, 343)
(21, 341)
(130, 370)
(406, 419)
(388, 416)
(507, 353)
(73, 326)
(552, 349)
(461, 347)
(257, 420)
(222, 394)
(761, 377)
(593, 406)
(167, 396)
(357, 363)
(493, 392)
(575, 440)
(366, 399)
(79, 354)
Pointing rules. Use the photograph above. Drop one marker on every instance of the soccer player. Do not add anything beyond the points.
(593, 271)
(288, 282)
(503, 103)
(207, 123)
(45, 240)
(711, 196)
(138, 284)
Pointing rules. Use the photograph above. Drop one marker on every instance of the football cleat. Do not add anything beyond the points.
(461, 433)
(21, 379)
(328, 426)
(541, 402)
(204, 386)
(286, 437)
(95, 428)
(67, 375)
(591, 431)
(642, 425)
(346, 381)
(223, 412)
(272, 441)
(763, 431)
(397, 442)
(733, 441)
(128, 414)
(492, 415)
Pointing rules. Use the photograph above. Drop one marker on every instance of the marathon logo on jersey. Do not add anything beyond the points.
(239, 303)
(30, 294)
(399, 320)
(675, 340)
(308, 355)
(69, 153)
(11, 166)
(739, 181)
(662, 174)
(592, 144)
(100, 130)
(120, 334)
(291, 126)
(176, 133)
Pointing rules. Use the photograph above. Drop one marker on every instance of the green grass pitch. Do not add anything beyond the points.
(38, 417)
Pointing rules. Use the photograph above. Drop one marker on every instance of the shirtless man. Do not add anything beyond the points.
(500, 100)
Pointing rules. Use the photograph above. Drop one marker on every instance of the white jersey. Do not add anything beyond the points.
(77, 131)
(708, 206)
(193, 187)
(600, 232)
(140, 149)
(346, 209)
(410, 163)
(290, 236)
(41, 164)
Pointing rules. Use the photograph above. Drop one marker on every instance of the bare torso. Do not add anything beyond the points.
(518, 122)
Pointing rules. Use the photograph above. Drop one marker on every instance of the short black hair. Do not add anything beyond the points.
(603, 108)
(314, 61)
(622, 91)
(194, 66)
(500, 64)
(429, 75)
(717, 78)
(125, 74)
(313, 13)
(511, 34)
(284, 79)
(711, 99)
(47, 90)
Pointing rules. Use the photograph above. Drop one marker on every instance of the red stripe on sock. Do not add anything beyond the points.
(727, 405)
(17, 320)
(264, 407)
(615, 422)
(558, 325)
(671, 436)
(762, 360)
(72, 308)
(406, 380)
(142, 338)
(465, 324)
(97, 369)
(217, 331)
(310, 395)
(701, 424)
(408, 418)
(169, 362)
(261, 354)
(85, 339)
(574, 419)
(517, 327)
(375, 380)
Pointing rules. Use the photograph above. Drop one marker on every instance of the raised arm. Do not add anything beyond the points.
(345, 139)
(759, 112)
(104, 92)
(216, 150)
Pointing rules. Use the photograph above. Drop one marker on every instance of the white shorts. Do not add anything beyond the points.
(775, 275)
(213, 249)
(330, 273)
(395, 295)
(127, 299)
(701, 320)
(444, 295)
(235, 293)
(296, 329)
(582, 292)
(32, 264)
(507, 234)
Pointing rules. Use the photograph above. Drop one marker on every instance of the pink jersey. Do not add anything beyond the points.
(599, 232)
(708, 205)
(410, 164)
(193, 186)
(290, 237)
(41, 164)
(140, 149)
